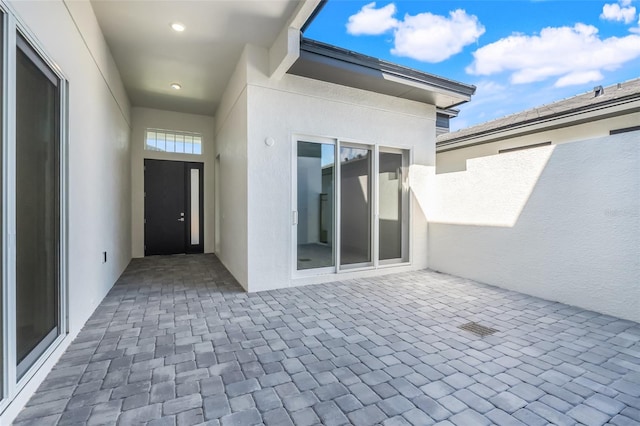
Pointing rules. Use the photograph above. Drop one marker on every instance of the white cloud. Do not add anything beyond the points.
(372, 21)
(573, 55)
(619, 12)
(434, 38)
(579, 77)
(425, 37)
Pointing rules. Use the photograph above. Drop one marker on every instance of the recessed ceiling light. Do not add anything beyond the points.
(176, 86)
(178, 27)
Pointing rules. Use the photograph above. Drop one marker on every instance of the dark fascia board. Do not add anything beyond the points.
(449, 112)
(378, 65)
(313, 15)
(451, 144)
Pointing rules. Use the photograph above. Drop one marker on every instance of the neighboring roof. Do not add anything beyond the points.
(598, 99)
(332, 64)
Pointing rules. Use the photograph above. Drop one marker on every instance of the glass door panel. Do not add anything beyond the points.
(315, 205)
(37, 207)
(355, 205)
(392, 206)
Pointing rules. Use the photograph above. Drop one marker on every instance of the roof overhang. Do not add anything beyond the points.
(332, 64)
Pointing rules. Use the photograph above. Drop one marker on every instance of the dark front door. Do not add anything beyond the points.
(173, 207)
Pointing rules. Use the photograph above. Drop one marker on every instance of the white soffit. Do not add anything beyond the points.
(150, 55)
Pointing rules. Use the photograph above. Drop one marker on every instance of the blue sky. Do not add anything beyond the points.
(520, 54)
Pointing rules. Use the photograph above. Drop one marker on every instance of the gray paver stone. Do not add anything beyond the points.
(432, 407)
(395, 405)
(418, 417)
(501, 418)
(242, 418)
(330, 414)
(216, 406)
(300, 401)
(277, 417)
(305, 417)
(174, 406)
(508, 402)
(469, 417)
(330, 391)
(368, 416)
(162, 392)
(242, 387)
(141, 415)
(267, 399)
(437, 389)
(588, 415)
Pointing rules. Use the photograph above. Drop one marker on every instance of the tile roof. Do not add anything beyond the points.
(614, 94)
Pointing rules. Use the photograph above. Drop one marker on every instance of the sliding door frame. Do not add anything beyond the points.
(375, 263)
(405, 256)
(372, 263)
(13, 28)
(294, 211)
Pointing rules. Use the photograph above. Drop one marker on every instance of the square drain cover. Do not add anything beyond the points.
(478, 329)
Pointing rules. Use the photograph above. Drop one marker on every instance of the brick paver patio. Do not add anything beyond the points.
(177, 341)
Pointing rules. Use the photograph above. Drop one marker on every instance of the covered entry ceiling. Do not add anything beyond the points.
(151, 56)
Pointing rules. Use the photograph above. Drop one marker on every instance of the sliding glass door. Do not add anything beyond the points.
(355, 205)
(352, 216)
(393, 206)
(315, 194)
(33, 226)
(37, 206)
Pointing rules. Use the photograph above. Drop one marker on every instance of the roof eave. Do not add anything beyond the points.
(340, 65)
(479, 137)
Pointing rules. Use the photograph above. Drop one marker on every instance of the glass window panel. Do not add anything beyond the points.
(179, 147)
(37, 208)
(2, 348)
(188, 144)
(195, 206)
(171, 142)
(152, 144)
(355, 205)
(391, 206)
(316, 211)
(160, 141)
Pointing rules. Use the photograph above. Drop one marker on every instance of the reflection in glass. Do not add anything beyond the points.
(37, 208)
(391, 207)
(355, 205)
(173, 141)
(316, 187)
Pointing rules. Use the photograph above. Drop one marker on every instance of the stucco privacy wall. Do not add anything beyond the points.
(559, 222)
(144, 118)
(231, 160)
(99, 185)
(455, 160)
(281, 109)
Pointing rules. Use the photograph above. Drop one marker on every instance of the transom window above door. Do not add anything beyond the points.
(173, 141)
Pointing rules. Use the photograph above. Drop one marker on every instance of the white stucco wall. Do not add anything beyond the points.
(144, 118)
(281, 109)
(231, 147)
(597, 126)
(559, 222)
(99, 188)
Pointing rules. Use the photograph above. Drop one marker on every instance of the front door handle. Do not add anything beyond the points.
(181, 219)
